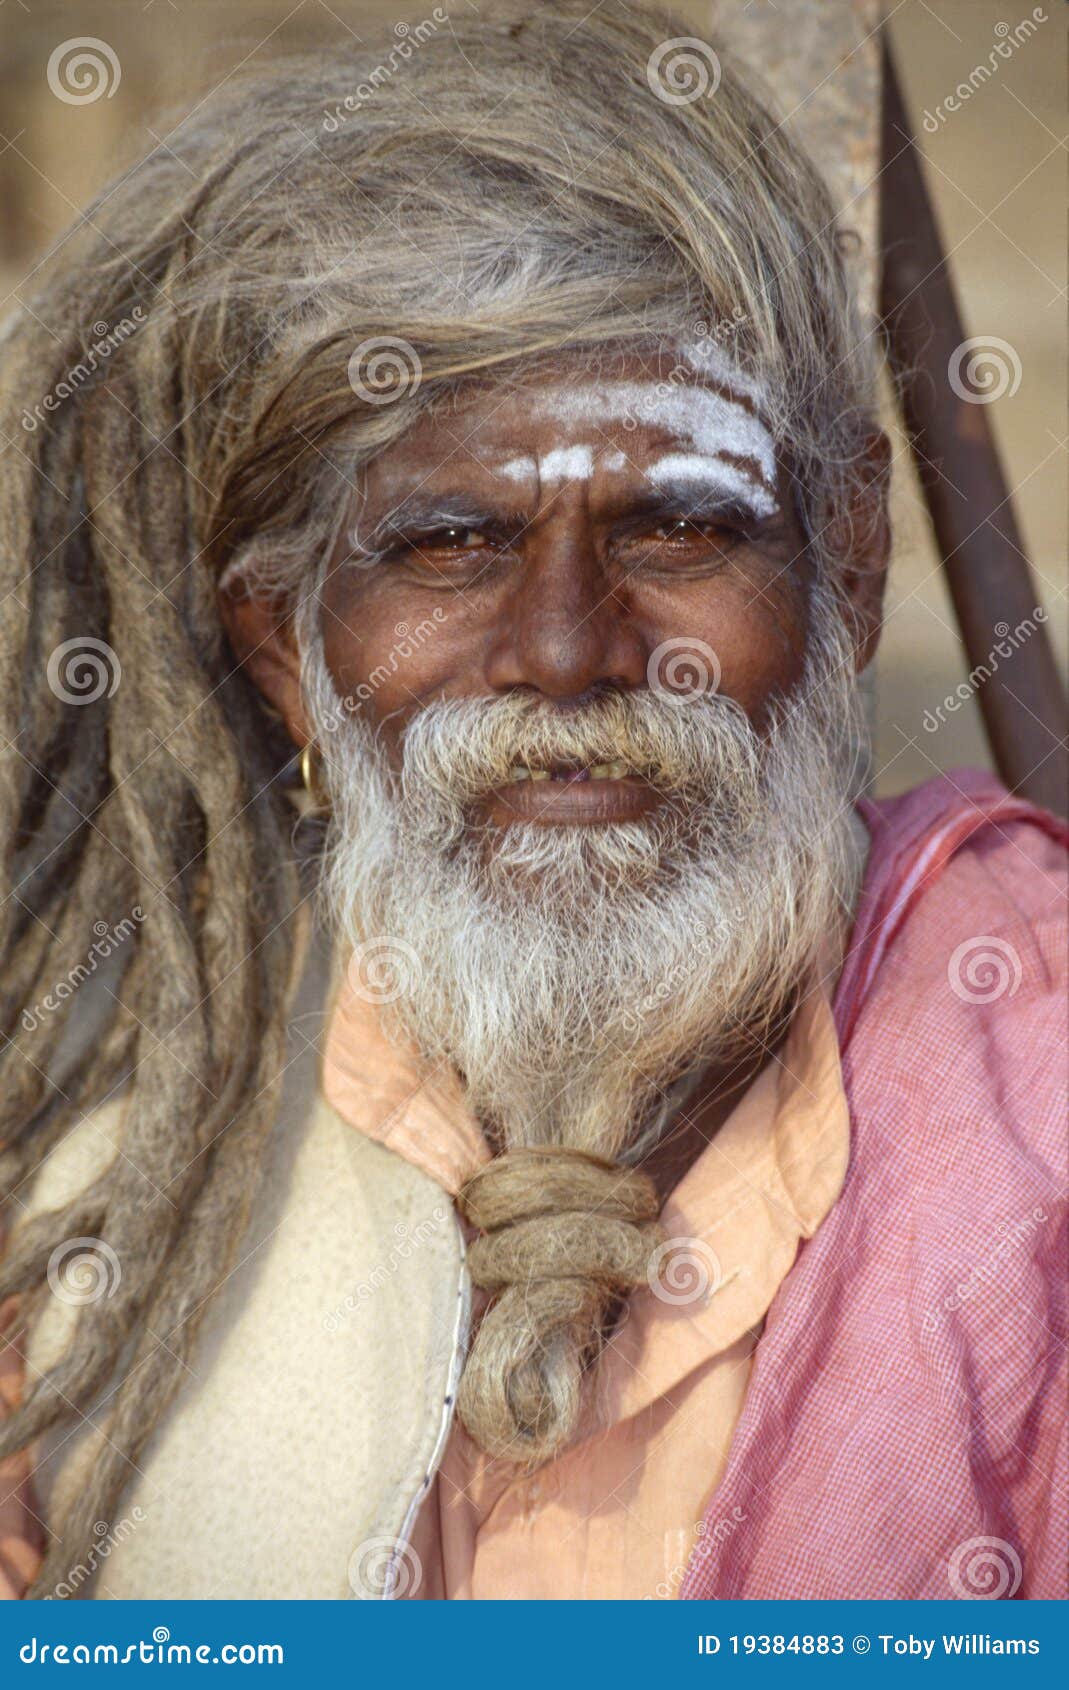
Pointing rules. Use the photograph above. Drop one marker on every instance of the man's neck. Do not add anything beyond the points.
(695, 1124)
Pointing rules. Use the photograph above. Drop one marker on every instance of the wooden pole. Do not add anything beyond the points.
(1020, 695)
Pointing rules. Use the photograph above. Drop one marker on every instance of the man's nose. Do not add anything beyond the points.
(566, 626)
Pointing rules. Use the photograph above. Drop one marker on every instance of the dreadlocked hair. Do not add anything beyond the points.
(196, 388)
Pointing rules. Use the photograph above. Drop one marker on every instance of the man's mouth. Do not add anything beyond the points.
(618, 769)
(561, 794)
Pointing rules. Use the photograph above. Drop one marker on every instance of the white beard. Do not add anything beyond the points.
(573, 975)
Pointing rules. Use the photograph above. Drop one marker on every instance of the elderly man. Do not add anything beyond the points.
(675, 1211)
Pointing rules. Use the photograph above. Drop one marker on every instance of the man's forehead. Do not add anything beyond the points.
(574, 418)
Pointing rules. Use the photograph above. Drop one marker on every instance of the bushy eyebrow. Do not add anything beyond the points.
(687, 497)
(422, 513)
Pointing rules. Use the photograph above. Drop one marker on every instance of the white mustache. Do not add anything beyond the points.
(463, 748)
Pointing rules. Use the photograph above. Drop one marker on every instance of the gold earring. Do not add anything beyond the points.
(311, 767)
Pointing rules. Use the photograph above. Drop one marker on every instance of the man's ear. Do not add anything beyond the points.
(857, 540)
(264, 642)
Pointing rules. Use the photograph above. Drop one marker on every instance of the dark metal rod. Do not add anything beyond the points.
(1021, 697)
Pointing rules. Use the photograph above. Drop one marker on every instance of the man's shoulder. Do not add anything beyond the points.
(1008, 880)
(959, 974)
(971, 892)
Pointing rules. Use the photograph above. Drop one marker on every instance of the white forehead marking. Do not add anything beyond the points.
(565, 463)
(709, 359)
(517, 469)
(705, 471)
(712, 423)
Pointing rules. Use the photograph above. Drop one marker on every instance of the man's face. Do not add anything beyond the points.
(624, 527)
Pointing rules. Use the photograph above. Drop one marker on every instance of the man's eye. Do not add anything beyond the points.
(684, 531)
(454, 538)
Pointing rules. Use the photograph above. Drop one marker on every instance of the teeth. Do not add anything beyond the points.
(618, 769)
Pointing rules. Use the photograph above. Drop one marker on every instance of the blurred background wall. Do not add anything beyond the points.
(995, 170)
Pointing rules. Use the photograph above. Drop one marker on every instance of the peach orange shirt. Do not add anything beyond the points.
(619, 1513)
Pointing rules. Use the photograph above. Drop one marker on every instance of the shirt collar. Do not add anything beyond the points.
(733, 1224)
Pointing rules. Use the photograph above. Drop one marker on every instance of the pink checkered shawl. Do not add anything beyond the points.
(908, 1397)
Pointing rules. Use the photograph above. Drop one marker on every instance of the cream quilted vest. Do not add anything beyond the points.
(294, 1459)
